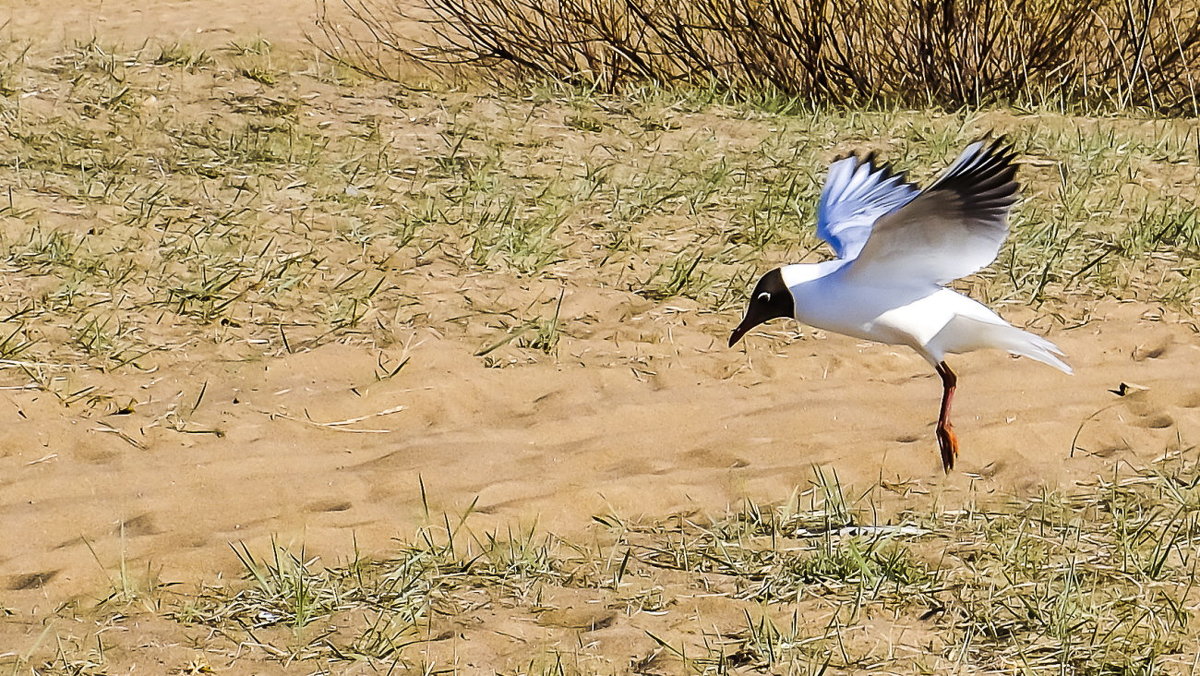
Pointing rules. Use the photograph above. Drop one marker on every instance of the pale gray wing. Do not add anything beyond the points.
(951, 229)
(855, 195)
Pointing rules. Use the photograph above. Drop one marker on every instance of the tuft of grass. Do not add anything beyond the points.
(541, 334)
(183, 56)
(130, 588)
(259, 74)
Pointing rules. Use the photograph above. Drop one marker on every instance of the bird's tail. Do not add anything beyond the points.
(975, 334)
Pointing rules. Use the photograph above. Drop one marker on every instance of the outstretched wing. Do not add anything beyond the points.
(951, 229)
(855, 195)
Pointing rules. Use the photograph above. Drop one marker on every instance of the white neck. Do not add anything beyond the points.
(798, 273)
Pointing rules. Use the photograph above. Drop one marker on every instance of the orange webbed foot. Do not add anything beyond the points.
(948, 444)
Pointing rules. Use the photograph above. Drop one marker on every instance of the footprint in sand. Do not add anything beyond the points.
(28, 581)
(1152, 351)
(1110, 448)
(328, 506)
(584, 619)
(1146, 407)
(142, 524)
(1155, 421)
(708, 457)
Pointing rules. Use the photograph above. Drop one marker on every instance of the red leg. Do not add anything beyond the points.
(947, 442)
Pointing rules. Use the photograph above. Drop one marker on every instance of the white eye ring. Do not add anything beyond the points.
(764, 297)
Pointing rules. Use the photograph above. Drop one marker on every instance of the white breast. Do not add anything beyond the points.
(827, 299)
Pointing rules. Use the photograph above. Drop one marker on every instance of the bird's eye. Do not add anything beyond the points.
(764, 297)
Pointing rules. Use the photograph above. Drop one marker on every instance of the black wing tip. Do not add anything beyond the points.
(997, 153)
(989, 174)
(997, 146)
(871, 159)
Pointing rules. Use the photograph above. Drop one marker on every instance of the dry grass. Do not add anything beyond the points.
(257, 212)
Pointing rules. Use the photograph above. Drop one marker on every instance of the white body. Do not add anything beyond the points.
(927, 317)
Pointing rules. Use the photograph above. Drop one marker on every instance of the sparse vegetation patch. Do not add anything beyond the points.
(1099, 579)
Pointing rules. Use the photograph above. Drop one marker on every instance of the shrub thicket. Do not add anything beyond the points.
(1114, 53)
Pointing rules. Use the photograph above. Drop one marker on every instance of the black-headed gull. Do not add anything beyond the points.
(897, 246)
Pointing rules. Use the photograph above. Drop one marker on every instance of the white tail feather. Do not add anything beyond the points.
(1037, 347)
(964, 334)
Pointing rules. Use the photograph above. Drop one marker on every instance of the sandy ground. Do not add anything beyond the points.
(206, 23)
(551, 443)
(315, 450)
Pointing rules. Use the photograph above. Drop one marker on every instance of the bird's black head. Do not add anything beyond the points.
(771, 299)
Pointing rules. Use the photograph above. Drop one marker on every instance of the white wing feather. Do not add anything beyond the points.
(856, 194)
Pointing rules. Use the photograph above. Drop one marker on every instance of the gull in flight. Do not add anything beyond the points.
(897, 246)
